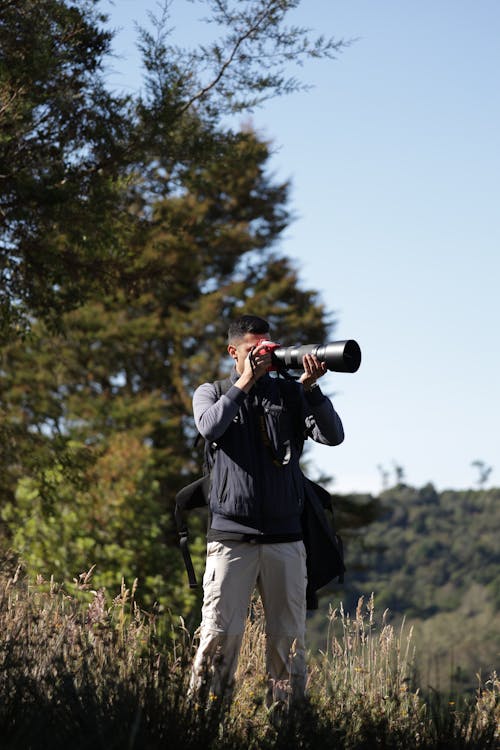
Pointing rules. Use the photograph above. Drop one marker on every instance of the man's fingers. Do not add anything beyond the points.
(312, 366)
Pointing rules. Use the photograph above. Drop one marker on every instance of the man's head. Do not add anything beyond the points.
(243, 334)
(247, 324)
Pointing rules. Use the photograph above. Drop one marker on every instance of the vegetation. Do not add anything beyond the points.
(78, 669)
(82, 168)
(135, 228)
(434, 559)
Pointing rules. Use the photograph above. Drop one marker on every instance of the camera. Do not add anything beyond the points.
(339, 356)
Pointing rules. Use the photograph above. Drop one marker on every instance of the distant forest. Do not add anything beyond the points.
(434, 559)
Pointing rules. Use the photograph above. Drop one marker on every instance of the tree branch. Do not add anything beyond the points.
(203, 91)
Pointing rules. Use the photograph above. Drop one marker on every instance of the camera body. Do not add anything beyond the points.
(339, 356)
(263, 347)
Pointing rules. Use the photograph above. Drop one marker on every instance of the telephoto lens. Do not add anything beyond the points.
(339, 356)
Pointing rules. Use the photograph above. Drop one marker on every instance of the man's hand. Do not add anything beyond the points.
(258, 363)
(255, 366)
(313, 369)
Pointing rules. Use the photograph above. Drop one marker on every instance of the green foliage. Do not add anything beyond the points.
(426, 542)
(115, 524)
(113, 392)
(246, 61)
(136, 229)
(434, 558)
(59, 137)
(79, 164)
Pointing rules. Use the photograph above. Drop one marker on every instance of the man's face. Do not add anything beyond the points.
(240, 348)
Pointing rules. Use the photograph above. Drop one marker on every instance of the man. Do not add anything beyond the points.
(256, 433)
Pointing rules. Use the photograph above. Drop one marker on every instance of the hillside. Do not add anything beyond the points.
(433, 558)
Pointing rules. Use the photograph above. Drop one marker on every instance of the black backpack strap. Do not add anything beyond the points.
(186, 555)
(194, 495)
(222, 386)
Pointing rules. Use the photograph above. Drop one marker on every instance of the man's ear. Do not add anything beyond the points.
(232, 351)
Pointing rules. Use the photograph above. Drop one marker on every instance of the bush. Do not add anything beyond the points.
(81, 670)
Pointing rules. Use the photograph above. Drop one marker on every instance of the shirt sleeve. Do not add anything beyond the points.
(213, 415)
(322, 421)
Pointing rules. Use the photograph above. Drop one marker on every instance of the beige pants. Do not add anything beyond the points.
(233, 570)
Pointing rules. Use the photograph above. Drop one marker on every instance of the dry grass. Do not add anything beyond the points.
(79, 670)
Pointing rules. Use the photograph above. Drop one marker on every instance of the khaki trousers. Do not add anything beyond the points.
(233, 571)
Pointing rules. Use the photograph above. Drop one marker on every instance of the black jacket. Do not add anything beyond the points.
(256, 442)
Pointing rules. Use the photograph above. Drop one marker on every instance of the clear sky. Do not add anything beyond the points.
(394, 159)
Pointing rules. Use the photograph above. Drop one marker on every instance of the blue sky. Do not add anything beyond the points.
(394, 159)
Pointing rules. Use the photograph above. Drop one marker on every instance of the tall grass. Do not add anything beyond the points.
(80, 670)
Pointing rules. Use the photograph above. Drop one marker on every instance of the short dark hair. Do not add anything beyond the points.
(246, 324)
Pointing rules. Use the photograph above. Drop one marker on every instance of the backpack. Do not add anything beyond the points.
(324, 548)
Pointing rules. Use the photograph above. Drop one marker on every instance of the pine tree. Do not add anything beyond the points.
(61, 143)
(110, 402)
(75, 157)
(136, 228)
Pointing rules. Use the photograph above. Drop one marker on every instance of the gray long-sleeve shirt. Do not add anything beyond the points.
(213, 415)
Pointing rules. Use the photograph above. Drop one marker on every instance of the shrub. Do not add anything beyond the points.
(82, 670)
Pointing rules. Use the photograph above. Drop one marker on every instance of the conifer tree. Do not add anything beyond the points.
(107, 431)
(135, 230)
(74, 156)
(62, 136)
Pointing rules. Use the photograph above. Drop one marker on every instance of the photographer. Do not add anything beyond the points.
(256, 432)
